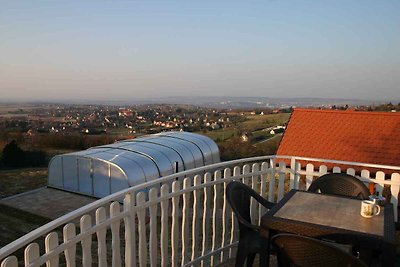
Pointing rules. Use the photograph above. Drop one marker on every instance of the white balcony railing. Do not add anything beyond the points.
(175, 221)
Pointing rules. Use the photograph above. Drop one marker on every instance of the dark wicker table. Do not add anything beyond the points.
(333, 218)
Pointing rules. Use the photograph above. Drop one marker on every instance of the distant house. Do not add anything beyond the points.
(366, 137)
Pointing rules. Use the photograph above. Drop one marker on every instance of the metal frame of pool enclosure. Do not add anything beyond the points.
(103, 170)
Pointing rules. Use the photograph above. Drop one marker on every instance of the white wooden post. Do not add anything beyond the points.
(175, 224)
(69, 232)
(309, 175)
(185, 221)
(206, 215)
(164, 226)
(215, 222)
(11, 261)
(365, 174)
(115, 210)
(292, 183)
(31, 253)
(153, 193)
(394, 189)
(130, 230)
(323, 170)
(351, 171)
(86, 224)
(101, 237)
(234, 223)
(281, 184)
(271, 190)
(254, 186)
(141, 213)
(50, 243)
(196, 218)
(261, 209)
(379, 177)
(225, 213)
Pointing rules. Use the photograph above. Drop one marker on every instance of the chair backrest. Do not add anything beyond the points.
(295, 250)
(239, 196)
(340, 184)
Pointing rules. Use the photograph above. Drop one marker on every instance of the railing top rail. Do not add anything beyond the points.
(360, 164)
(30, 237)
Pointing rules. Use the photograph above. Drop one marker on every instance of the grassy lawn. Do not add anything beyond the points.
(21, 180)
(221, 135)
(258, 122)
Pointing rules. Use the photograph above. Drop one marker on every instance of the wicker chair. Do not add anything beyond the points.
(250, 241)
(340, 184)
(295, 250)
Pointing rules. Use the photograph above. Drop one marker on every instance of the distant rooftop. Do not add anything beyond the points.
(369, 137)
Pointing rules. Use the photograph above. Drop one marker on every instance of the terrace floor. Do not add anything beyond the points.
(47, 202)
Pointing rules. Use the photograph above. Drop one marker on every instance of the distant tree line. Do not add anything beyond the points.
(71, 141)
(15, 157)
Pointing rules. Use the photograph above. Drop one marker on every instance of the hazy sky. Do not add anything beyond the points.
(133, 49)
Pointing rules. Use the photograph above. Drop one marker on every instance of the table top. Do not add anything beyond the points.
(314, 214)
(331, 211)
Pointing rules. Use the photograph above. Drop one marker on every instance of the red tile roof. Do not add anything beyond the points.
(368, 137)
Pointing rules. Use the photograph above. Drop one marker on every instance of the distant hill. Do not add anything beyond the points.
(227, 102)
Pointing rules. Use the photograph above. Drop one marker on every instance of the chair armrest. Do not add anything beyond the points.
(262, 200)
(266, 203)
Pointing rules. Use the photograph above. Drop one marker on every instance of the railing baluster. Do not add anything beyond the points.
(309, 175)
(196, 219)
(216, 223)
(291, 175)
(351, 171)
(281, 183)
(153, 193)
(234, 223)
(50, 243)
(271, 186)
(365, 174)
(379, 176)
(164, 226)
(323, 170)
(10, 261)
(263, 178)
(130, 230)
(254, 186)
(246, 170)
(69, 232)
(297, 168)
(101, 237)
(394, 190)
(86, 224)
(225, 212)
(176, 186)
(185, 221)
(31, 253)
(141, 213)
(206, 215)
(115, 210)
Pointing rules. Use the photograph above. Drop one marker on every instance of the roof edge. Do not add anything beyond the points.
(353, 112)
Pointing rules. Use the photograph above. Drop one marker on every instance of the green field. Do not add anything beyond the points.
(258, 122)
(222, 134)
(253, 124)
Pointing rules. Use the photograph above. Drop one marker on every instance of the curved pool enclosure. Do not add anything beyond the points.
(103, 170)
